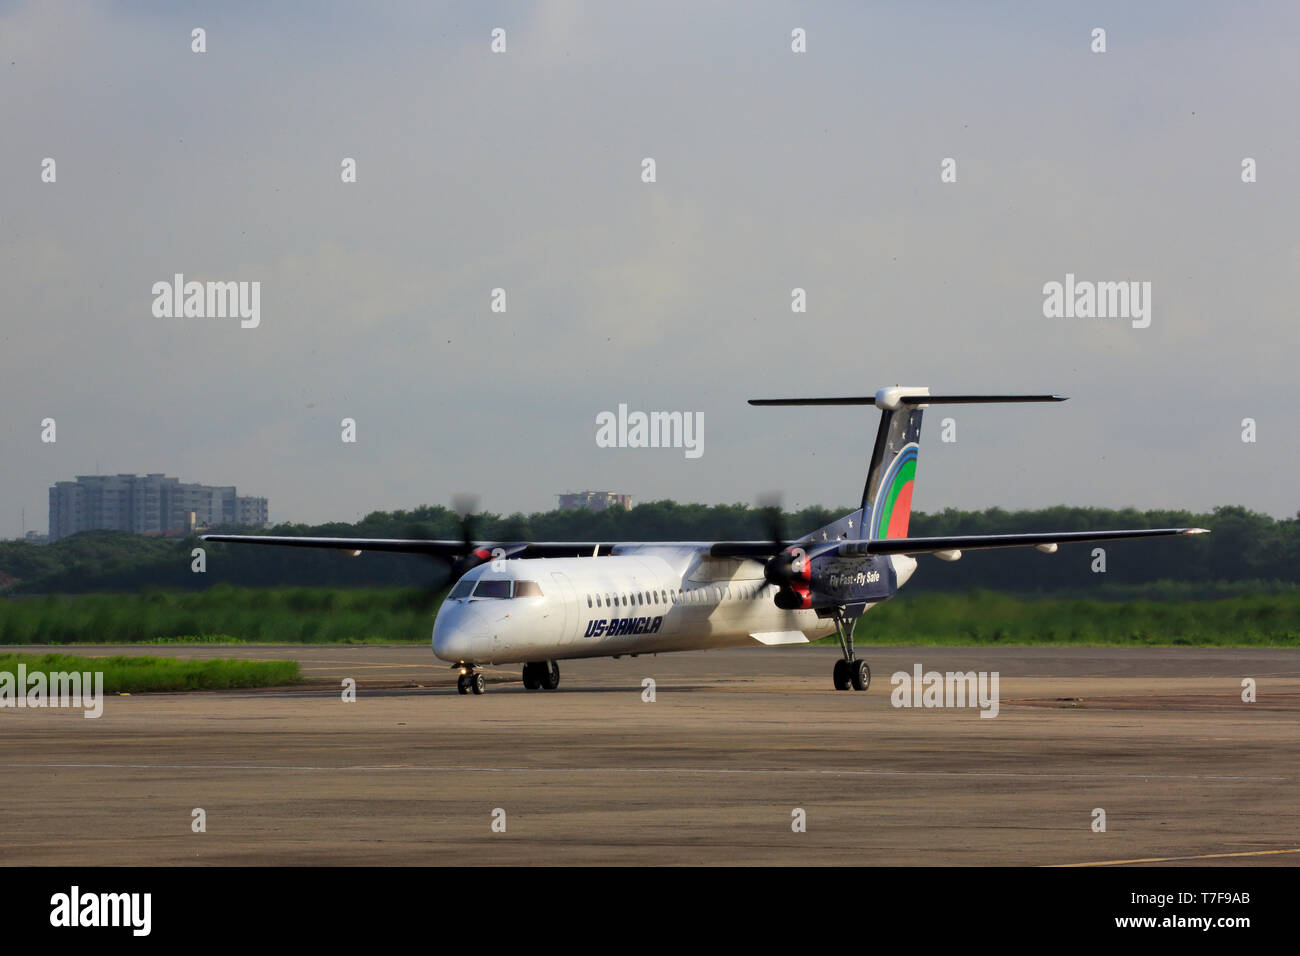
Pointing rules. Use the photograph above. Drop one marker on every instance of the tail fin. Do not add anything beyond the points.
(887, 497)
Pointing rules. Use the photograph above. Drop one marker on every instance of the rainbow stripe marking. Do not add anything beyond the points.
(893, 507)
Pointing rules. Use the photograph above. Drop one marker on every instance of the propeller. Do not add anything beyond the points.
(450, 570)
(788, 568)
(465, 507)
(770, 510)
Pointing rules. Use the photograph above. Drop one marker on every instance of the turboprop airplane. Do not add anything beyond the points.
(537, 603)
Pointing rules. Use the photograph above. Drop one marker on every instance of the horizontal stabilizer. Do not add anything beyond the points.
(893, 401)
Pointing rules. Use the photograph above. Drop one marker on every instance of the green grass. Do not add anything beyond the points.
(1165, 614)
(982, 618)
(140, 674)
(222, 614)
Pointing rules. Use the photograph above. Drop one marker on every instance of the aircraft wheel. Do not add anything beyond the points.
(843, 680)
(549, 672)
(462, 684)
(477, 684)
(859, 674)
(531, 679)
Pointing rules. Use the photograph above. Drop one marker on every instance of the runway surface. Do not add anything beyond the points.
(711, 772)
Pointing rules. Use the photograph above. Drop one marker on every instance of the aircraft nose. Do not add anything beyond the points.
(454, 630)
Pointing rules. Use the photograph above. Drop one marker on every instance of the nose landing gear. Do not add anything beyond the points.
(470, 680)
(849, 672)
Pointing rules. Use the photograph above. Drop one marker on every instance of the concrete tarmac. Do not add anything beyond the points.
(711, 772)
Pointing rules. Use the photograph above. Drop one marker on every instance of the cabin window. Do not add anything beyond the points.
(527, 589)
(589, 600)
(462, 589)
(493, 589)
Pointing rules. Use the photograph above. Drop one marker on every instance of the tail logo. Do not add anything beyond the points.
(893, 507)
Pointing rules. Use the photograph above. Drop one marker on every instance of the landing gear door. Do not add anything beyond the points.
(567, 612)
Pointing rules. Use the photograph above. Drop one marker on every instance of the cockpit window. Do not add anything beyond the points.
(462, 589)
(527, 589)
(494, 588)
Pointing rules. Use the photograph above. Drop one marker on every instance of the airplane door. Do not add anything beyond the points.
(568, 613)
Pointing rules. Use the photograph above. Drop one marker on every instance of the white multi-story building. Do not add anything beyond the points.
(152, 504)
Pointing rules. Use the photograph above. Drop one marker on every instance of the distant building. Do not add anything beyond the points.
(594, 501)
(252, 512)
(35, 537)
(153, 504)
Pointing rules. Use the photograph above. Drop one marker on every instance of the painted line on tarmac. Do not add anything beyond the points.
(646, 770)
(1174, 859)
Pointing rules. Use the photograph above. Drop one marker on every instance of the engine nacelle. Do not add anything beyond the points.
(795, 598)
(825, 578)
(469, 561)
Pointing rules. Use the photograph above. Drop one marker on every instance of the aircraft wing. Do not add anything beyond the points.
(451, 549)
(744, 549)
(975, 542)
(443, 548)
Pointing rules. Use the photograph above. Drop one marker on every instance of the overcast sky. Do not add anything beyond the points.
(523, 171)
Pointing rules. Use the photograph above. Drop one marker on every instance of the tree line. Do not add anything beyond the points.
(1244, 546)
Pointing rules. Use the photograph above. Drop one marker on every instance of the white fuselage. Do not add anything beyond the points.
(641, 600)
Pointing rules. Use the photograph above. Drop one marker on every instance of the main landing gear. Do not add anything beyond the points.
(470, 680)
(537, 674)
(849, 672)
(541, 674)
